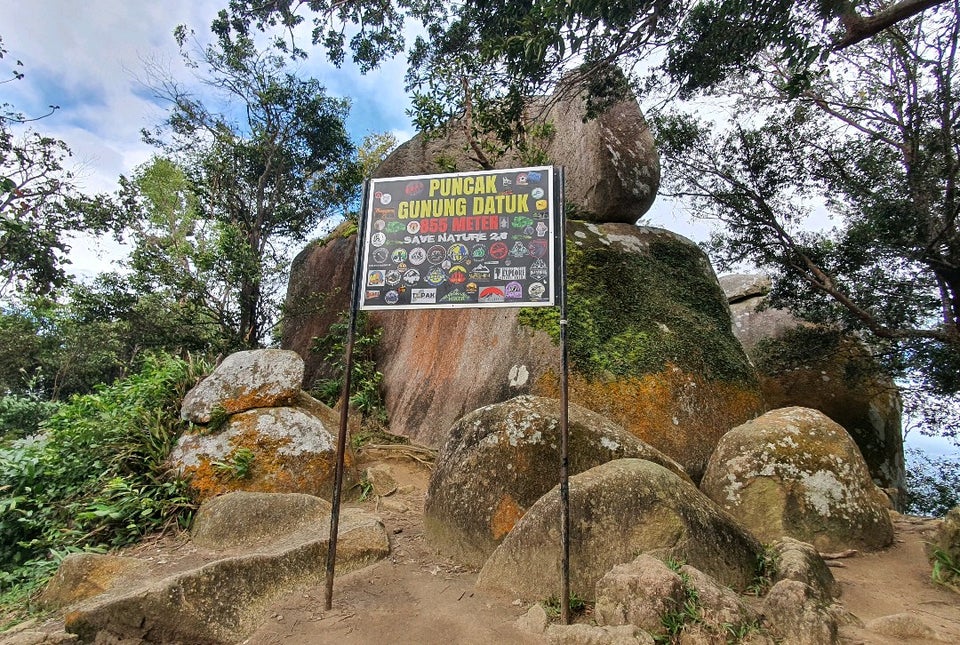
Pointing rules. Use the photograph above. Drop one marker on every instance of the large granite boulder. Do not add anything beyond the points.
(259, 378)
(809, 366)
(618, 510)
(649, 336)
(502, 458)
(612, 165)
(794, 472)
(272, 450)
(243, 560)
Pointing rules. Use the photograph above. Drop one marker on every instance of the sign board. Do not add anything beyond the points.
(479, 239)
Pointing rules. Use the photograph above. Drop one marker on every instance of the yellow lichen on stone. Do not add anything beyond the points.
(680, 414)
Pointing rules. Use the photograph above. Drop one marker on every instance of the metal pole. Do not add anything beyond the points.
(345, 404)
(564, 404)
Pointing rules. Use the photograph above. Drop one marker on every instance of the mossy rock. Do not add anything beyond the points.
(618, 510)
(650, 341)
(793, 472)
(502, 458)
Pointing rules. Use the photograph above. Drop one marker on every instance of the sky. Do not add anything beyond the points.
(89, 57)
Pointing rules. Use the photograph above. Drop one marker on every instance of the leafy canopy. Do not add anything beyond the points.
(216, 216)
(489, 58)
(873, 140)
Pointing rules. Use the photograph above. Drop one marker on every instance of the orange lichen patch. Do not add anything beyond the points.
(508, 513)
(271, 470)
(680, 414)
(249, 400)
(71, 619)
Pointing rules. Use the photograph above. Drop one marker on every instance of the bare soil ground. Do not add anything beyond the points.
(418, 597)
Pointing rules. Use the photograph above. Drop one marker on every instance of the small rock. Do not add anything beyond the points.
(535, 621)
(903, 626)
(381, 478)
(798, 616)
(580, 634)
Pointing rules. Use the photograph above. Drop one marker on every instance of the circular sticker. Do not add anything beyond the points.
(478, 252)
(379, 225)
(498, 250)
(414, 188)
(393, 278)
(457, 252)
(436, 254)
(378, 239)
(413, 227)
(391, 298)
(436, 276)
(375, 278)
(411, 277)
(385, 198)
(417, 256)
(399, 255)
(380, 255)
(536, 290)
(536, 193)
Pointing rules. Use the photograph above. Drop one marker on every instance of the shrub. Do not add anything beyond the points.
(21, 416)
(94, 477)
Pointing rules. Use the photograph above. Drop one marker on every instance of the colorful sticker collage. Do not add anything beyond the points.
(483, 239)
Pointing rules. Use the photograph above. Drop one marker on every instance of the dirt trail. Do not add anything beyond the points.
(418, 597)
(414, 596)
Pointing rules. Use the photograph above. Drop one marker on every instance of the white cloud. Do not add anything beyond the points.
(88, 58)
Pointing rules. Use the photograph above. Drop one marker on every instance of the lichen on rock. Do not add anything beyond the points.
(794, 472)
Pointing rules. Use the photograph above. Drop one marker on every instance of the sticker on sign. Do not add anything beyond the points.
(443, 236)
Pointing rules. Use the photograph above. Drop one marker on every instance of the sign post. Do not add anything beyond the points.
(480, 239)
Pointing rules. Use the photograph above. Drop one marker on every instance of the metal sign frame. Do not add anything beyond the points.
(554, 291)
(472, 239)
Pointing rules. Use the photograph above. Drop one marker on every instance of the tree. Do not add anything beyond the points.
(485, 60)
(39, 204)
(260, 175)
(875, 139)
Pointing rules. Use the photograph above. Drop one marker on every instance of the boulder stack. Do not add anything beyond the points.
(255, 430)
(502, 458)
(806, 365)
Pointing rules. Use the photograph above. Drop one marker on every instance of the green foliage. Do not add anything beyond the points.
(932, 485)
(94, 333)
(95, 478)
(246, 190)
(366, 489)
(39, 205)
(365, 380)
(576, 604)
(689, 611)
(946, 570)
(666, 307)
(218, 419)
(21, 416)
(238, 466)
(766, 568)
(485, 62)
(861, 142)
